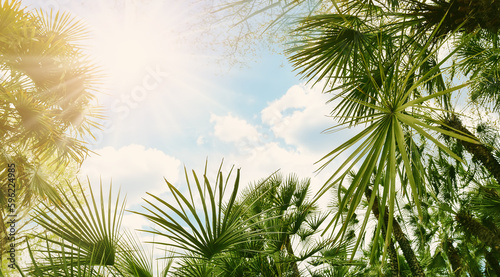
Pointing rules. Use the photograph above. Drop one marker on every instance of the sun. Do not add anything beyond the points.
(125, 50)
(127, 43)
(154, 64)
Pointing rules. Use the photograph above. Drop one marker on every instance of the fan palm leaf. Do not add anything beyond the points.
(86, 232)
(67, 264)
(132, 258)
(204, 226)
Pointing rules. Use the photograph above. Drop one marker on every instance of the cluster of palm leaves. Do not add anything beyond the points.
(394, 67)
(271, 229)
(46, 94)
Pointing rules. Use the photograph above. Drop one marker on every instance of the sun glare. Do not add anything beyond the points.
(127, 49)
(154, 61)
(127, 43)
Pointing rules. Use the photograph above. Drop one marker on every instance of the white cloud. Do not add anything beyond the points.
(133, 168)
(200, 140)
(299, 116)
(294, 122)
(267, 158)
(236, 130)
(134, 222)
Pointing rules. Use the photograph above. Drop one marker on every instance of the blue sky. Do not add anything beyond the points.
(174, 98)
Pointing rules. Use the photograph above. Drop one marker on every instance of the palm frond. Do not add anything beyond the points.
(86, 232)
(201, 223)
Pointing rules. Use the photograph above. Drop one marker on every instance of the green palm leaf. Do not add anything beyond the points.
(204, 227)
(132, 258)
(85, 232)
(69, 263)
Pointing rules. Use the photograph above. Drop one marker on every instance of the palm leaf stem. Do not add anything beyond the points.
(289, 250)
(393, 254)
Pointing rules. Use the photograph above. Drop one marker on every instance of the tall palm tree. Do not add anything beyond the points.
(384, 73)
(385, 88)
(46, 104)
(384, 64)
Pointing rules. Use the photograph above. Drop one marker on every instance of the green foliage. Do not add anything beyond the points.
(386, 66)
(416, 180)
(47, 86)
(87, 233)
(216, 230)
(83, 237)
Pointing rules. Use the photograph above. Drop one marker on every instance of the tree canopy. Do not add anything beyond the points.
(47, 106)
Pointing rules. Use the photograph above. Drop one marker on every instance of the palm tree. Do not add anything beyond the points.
(383, 89)
(219, 228)
(47, 91)
(383, 62)
(250, 234)
(386, 72)
(286, 216)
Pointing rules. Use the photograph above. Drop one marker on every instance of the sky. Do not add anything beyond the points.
(174, 97)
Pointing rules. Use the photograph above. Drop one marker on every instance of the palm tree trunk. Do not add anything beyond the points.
(478, 151)
(405, 245)
(393, 254)
(400, 237)
(289, 250)
(492, 262)
(475, 227)
(454, 257)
